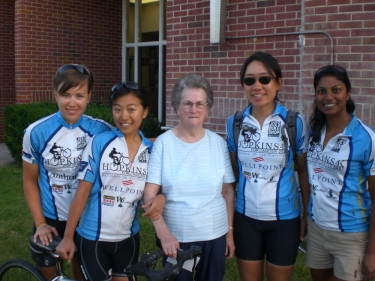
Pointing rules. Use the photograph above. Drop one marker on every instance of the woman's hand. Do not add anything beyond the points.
(66, 249)
(154, 208)
(368, 266)
(169, 244)
(45, 232)
(229, 252)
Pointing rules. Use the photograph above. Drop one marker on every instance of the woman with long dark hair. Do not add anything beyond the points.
(341, 242)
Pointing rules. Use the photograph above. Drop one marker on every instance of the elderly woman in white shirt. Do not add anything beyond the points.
(190, 165)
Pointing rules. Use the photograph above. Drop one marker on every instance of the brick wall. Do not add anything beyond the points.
(350, 24)
(6, 59)
(52, 33)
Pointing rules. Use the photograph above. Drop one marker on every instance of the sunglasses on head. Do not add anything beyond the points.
(78, 67)
(335, 67)
(264, 80)
(126, 85)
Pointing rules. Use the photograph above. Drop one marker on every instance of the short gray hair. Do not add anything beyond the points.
(191, 81)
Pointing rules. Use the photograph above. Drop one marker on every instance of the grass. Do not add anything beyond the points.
(16, 224)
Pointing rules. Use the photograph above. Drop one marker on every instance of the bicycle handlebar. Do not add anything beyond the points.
(142, 267)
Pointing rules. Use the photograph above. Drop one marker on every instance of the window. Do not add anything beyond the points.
(144, 45)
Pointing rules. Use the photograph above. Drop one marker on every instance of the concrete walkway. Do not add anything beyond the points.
(5, 158)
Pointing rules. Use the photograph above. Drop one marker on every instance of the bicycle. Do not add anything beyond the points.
(19, 269)
(169, 271)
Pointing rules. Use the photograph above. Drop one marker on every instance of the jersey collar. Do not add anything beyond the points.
(277, 111)
(66, 125)
(145, 141)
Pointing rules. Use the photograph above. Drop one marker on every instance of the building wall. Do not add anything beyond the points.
(6, 59)
(349, 23)
(49, 34)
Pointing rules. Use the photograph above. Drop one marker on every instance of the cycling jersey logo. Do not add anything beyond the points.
(316, 155)
(249, 176)
(340, 142)
(142, 157)
(330, 194)
(81, 142)
(249, 134)
(58, 152)
(318, 170)
(258, 159)
(118, 158)
(108, 200)
(62, 156)
(121, 201)
(57, 188)
(127, 182)
(274, 129)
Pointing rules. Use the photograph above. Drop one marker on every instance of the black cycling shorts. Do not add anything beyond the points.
(277, 240)
(98, 260)
(44, 259)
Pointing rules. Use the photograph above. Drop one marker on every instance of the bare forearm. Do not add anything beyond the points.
(228, 195)
(305, 191)
(150, 192)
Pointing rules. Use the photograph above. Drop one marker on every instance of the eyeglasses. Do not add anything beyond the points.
(335, 67)
(78, 67)
(264, 80)
(189, 104)
(126, 85)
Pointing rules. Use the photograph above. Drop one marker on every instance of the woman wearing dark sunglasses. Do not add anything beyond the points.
(267, 219)
(52, 151)
(341, 165)
(111, 183)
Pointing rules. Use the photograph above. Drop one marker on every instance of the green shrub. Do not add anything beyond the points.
(19, 116)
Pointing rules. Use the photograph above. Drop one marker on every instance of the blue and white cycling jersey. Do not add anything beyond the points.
(111, 211)
(267, 190)
(338, 175)
(57, 148)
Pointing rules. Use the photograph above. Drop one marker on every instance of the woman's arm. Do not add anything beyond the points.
(369, 258)
(169, 243)
(32, 196)
(228, 194)
(66, 247)
(234, 162)
(303, 179)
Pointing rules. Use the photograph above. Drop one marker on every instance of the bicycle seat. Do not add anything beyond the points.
(38, 246)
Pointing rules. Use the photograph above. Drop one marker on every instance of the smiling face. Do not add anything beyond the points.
(192, 117)
(260, 95)
(128, 113)
(72, 103)
(331, 96)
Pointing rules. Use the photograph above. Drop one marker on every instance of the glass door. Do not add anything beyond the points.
(144, 45)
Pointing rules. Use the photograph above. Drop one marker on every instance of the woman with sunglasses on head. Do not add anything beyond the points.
(52, 151)
(341, 239)
(111, 183)
(267, 220)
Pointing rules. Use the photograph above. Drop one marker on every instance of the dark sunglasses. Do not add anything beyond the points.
(126, 85)
(336, 67)
(264, 80)
(78, 67)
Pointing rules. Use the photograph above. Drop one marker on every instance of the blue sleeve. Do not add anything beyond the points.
(232, 147)
(302, 137)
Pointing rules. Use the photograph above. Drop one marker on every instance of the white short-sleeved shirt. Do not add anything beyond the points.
(57, 148)
(267, 189)
(338, 175)
(117, 187)
(191, 176)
